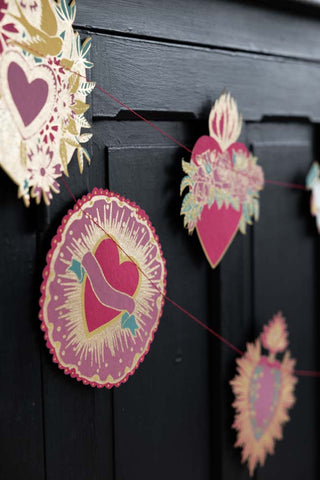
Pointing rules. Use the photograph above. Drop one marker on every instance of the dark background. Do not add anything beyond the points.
(170, 60)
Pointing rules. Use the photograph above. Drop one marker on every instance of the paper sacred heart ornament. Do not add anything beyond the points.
(103, 290)
(264, 391)
(313, 184)
(224, 181)
(43, 90)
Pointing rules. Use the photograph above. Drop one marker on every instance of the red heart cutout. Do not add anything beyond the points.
(29, 98)
(122, 276)
(218, 226)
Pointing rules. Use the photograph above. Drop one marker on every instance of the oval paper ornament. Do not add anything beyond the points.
(103, 290)
(264, 391)
(223, 180)
(43, 91)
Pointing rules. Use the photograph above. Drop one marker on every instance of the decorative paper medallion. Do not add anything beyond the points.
(42, 94)
(313, 184)
(224, 180)
(264, 391)
(103, 289)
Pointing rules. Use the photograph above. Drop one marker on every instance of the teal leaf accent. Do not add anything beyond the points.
(185, 182)
(313, 175)
(78, 269)
(86, 47)
(129, 322)
(86, 88)
(187, 204)
(66, 11)
(235, 203)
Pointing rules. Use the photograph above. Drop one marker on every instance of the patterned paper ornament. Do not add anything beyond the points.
(42, 94)
(313, 184)
(224, 180)
(103, 290)
(264, 391)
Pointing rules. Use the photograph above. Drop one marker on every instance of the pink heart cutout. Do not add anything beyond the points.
(28, 97)
(217, 226)
(29, 91)
(123, 276)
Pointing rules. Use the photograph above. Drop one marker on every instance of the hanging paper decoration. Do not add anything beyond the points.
(313, 184)
(43, 91)
(103, 290)
(264, 391)
(224, 180)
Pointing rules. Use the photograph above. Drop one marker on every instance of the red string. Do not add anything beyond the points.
(307, 373)
(143, 118)
(288, 185)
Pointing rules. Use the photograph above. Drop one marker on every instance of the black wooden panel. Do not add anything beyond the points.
(162, 415)
(251, 26)
(158, 77)
(236, 324)
(21, 429)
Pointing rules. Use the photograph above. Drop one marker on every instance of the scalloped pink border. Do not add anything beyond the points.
(55, 241)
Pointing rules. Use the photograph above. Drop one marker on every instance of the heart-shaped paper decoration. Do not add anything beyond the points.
(122, 276)
(43, 92)
(29, 92)
(264, 391)
(103, 290)
(223, 181)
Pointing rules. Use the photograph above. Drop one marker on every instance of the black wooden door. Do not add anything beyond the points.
(172, 419)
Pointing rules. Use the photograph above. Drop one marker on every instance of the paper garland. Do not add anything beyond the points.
(103, 289)
(42, 94)
(223, 180)
(264, 391)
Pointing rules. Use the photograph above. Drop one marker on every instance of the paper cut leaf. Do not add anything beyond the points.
(224, 181)
(42, 101)
(264, 392)
(313, 184)
(103, 290)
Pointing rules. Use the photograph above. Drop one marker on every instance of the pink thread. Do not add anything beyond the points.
(284, 184)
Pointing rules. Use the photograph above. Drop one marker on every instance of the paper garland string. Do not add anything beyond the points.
(264, 391)
(98, 311)
(42, 103)
(39, 55)
(223, 180)
(141, 117)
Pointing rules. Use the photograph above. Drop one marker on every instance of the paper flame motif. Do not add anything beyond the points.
(264, 392)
